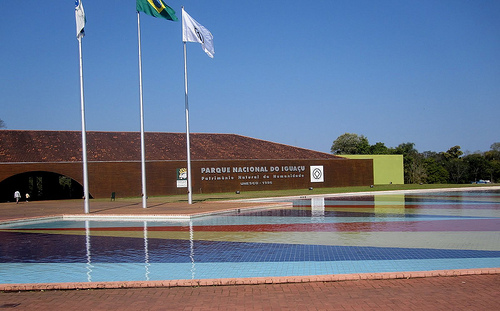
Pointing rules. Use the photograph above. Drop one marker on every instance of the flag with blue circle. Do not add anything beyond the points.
(156, 8)
(80, 19)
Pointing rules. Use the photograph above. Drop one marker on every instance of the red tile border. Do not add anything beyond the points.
(247, 281)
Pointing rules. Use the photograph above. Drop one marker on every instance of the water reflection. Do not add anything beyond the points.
(315, 236)
(191, 249)
(146, 251)
(87, 246)
(389, 205)
(147, 265)
(317, 209)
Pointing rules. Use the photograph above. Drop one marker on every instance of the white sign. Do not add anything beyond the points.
(317, 174)
(182, 178)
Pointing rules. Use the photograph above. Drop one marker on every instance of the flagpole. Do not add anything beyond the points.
(190, 197)
(84, 135)
(143, 148)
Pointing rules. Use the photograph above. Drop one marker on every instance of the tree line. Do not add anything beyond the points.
(449, 167)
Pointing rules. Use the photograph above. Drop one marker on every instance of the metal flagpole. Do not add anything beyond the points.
(84, 135)
(143, 148)
(190, 197)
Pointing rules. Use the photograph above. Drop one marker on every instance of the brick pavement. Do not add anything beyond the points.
(23, 210)
(471, 292)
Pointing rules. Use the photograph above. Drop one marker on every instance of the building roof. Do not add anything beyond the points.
(66, 146)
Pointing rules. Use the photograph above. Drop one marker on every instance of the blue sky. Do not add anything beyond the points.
(294, 72)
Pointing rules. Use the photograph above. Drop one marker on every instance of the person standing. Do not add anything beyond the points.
(17, 196)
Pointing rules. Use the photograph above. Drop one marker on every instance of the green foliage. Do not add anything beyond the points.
(453, 153)
(436, 173)
(494, 153)
(348, 143)
(456, 169)
(495, 147)
(413, 163)
(379, 148)
(429, 167)
(495, 170)
(477, 166)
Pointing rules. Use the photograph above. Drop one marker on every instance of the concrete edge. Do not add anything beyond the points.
(30, 219)
(365, 193)
(246, 281)
(140, 217)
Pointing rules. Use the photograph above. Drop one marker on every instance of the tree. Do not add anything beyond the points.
(2, 124)
(417, 172)
(413, 163)
(348, 143)
(435, 171)
(478, 166)
(495, 147)
(430, 154)
(494, 153)
(456, 167)
(379, 148)
(457, 170)
(453, 153)
(495, 171)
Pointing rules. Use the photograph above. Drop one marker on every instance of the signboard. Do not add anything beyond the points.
(182, 177)
(253, 175)
(317, 173)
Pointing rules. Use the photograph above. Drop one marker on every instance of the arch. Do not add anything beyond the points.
(40, 185)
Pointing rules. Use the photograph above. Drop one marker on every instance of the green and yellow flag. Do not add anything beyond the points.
(156, 8)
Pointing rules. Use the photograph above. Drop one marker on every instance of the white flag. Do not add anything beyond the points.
(80, 19)
(192, 31)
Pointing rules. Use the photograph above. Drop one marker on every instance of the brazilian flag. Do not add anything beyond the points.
(156, 8)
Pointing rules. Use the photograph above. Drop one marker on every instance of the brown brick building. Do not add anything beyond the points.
(48, 164)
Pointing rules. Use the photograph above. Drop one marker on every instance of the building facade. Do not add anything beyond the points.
(387, 168)
(48, 165)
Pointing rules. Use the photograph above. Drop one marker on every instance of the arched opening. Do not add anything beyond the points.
(40, 186)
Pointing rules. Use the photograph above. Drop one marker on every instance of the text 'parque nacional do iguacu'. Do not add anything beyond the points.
(252, 169)
(262, 175)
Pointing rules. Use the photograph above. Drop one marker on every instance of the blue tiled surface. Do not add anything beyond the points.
(119, 249)
(141, 271)
(61, 256)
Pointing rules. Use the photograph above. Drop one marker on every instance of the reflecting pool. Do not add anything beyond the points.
(317, 236)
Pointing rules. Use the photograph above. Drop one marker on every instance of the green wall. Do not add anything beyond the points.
(386, 168)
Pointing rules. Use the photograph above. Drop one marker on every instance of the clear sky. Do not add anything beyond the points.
(293, 72)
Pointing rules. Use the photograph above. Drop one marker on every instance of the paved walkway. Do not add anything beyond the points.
(474, 292)
(23, 210)
(464, 292)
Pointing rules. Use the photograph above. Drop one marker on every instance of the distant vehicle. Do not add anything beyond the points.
(481, 181)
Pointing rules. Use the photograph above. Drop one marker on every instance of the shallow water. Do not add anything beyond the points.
(374, 233)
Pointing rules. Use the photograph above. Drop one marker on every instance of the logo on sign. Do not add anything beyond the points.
(182, 177)
(317, 173)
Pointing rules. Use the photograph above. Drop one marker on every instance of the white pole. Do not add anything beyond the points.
(190, 197)
(84, 136)
(143, 148)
